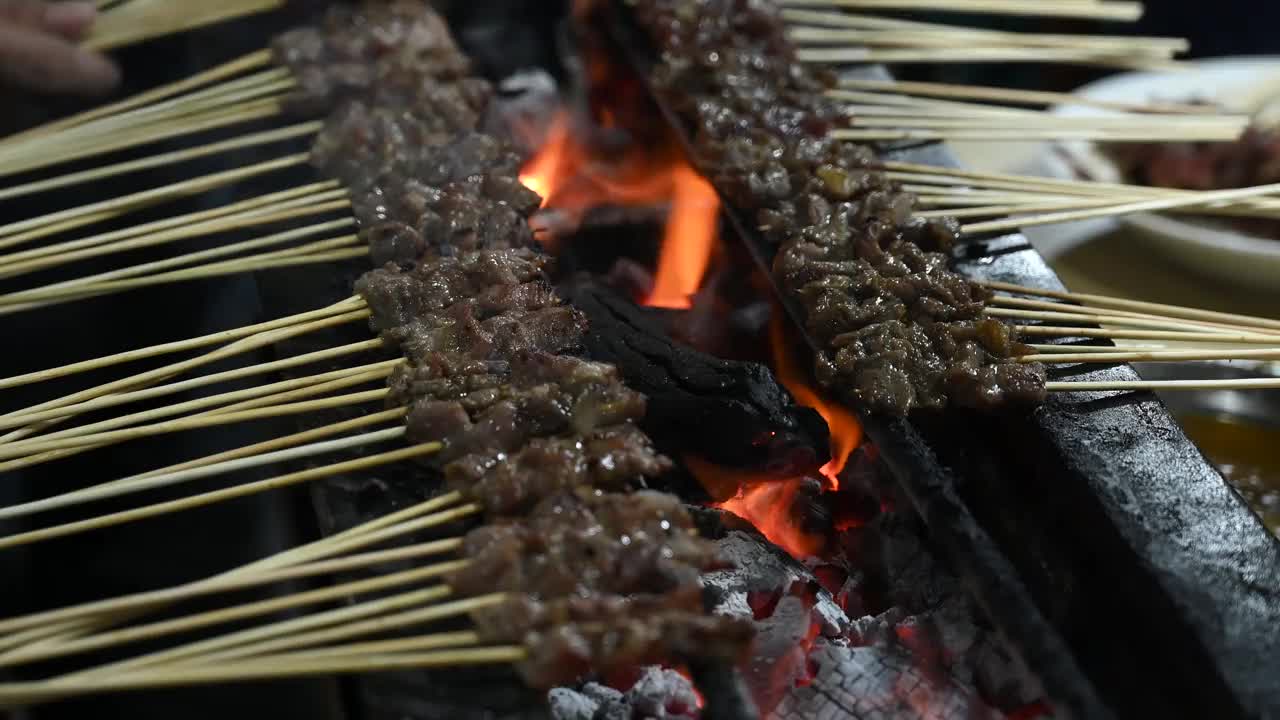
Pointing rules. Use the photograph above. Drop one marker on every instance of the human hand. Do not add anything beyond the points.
(39, 48)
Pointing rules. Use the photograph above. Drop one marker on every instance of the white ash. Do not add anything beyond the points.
(760, 566)
(883, 682)
(659, 694)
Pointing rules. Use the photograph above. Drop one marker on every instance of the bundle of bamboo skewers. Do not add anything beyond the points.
(125, 22)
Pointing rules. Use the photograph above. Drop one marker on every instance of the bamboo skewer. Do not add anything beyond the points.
(1252, 325)
(285, 565)
(216, 496)
(285, 403)
(200, 403)
(347, 631)
(888, 134)
(226, 96)
(1078, 348)
(327, 618)
(943, 36)
(419, 643)
(979, 54)
(836, 23)
(149, 197)
(140, 20)
(147, 379)
(75, 439)
(26, 159)
(1115, 320)
(1104, 301)
(247, 63)
(1120, 209)
(293, 257)
(864, 103)
(287, 441)
(983, 93)
(150, 601)
(97, 493)
(1176, 127)
(394, 525)
(146, 602)
(245, 611)
(19, 418)
(169, 158)
(19, 694)
(1078, 332)
(222, 100)
(298, 208)
(1112, 10)
(986, 211)
(411, 519)
(960, 181)
(1134, 385)
(1153, 356)
(211, 254)
(92, 285)
(243, 345)
(350, 309)
(252, 207)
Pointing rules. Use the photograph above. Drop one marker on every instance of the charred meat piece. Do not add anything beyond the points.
(571, 637)
(576, 543)
(377, 47)
(399, 297)
(611, 458)
(483, 408)
(600, 582)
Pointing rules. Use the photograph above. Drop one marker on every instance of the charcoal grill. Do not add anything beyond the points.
(1094, 535)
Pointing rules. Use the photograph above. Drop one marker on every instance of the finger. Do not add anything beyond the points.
(29, 13)
(69, 19)
(72, 20)
(49, 63)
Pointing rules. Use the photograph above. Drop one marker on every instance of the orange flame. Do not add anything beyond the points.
(541, 173)
(572, 179)
(688, 242)
(697, 694)
(845, 430)
(767, 506)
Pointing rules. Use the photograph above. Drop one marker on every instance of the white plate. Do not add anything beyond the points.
(1242, 84)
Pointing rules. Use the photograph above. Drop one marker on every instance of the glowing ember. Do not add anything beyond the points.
(767, 506)
(684, 671)
(846, 431)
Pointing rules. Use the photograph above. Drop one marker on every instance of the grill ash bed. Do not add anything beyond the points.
(1085, 555)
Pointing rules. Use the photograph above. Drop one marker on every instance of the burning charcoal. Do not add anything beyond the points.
(871, 683)
(568, 704)
(663, 693)
(732, 413)
(659, 694)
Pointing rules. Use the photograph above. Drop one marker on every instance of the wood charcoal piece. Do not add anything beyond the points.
(732, 413)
